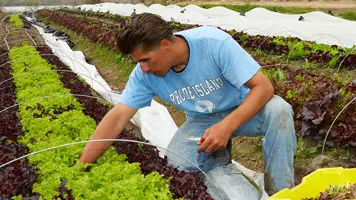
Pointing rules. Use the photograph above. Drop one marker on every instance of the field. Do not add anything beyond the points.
(44, 104)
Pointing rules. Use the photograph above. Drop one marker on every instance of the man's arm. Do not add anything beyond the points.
(217, 136)
(109, 128)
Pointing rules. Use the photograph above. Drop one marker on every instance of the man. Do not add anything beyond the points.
(204, 72)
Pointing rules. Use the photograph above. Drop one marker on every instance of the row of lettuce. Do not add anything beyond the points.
(18, 177)
(17, 21)
(291, 48)
(181, 184)
(55, 107)
(50, 116)
(316, 99)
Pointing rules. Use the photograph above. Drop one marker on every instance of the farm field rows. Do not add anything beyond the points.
(305, 83)
(314, 97)
(43, 105)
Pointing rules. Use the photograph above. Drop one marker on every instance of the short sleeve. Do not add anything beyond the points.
(236, 65)
(137, 93)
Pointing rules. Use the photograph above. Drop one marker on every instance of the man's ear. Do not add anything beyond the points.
(165, 43)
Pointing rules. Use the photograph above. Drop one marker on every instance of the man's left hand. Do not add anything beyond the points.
(216, 138)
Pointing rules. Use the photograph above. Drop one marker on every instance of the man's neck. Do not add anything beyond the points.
(179, 68)
(181, 53)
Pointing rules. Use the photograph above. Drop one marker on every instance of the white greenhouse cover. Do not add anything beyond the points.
(29, 8)
(316, 26)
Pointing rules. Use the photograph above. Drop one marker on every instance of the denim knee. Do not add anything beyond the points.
(278, 107)
(279, 113)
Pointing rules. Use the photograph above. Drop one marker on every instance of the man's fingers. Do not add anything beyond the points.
(203, 146)
(209, 146)
(207, 149)
(210, 149)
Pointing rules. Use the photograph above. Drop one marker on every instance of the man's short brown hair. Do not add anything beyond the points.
(144, 30)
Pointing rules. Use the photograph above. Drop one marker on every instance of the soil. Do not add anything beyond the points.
(248, 152)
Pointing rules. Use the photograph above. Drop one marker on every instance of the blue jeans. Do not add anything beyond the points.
(274, 121)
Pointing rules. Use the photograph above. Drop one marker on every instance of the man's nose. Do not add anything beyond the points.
(144, 67)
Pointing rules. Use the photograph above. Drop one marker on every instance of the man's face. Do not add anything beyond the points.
(156, 61)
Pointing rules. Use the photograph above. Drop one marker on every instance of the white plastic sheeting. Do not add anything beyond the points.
(316, 26)
(231, 183)
(28, 8)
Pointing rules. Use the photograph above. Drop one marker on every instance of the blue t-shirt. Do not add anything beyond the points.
(212, 81)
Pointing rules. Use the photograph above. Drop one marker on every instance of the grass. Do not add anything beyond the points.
(350, 15)
(105, 57)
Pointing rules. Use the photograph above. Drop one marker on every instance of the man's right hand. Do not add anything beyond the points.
(76, 165)
(109, 128)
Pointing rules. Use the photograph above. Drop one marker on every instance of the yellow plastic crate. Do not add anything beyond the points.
(317, 182)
